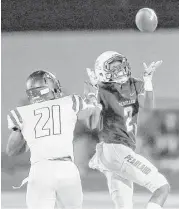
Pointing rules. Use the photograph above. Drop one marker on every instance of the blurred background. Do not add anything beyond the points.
(65, 37)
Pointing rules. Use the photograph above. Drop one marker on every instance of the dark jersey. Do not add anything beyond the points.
(120, 111)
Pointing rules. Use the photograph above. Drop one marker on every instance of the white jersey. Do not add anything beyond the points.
(48, 126)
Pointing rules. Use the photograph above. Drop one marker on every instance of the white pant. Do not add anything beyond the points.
(54, 184)
(123, 163)
(120, 189)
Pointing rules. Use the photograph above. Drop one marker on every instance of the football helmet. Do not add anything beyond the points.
(106, 73)
(42, 86)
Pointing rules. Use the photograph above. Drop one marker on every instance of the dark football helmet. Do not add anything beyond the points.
(42, 86)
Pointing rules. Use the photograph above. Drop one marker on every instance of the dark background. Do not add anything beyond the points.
(45, 15)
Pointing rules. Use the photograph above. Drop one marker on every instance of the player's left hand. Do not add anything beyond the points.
(90, 86)
(149, 70)
(92, 77)
(90, 90)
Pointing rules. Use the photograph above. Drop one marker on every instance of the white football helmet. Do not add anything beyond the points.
(103, 72)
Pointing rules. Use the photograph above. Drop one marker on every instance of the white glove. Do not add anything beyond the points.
(91, 87)
(148, 74)
(92, 77)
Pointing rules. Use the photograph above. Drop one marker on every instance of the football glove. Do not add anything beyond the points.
(92, 77)
(91, 87)
(148, 74)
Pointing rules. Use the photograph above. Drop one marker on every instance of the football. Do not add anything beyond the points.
(146, 20)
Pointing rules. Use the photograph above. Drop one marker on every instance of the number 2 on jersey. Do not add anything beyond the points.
(49, 122)
(128, 114)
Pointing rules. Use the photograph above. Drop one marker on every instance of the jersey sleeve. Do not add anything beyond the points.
(14, 119)
(139, 85)
(78, 103)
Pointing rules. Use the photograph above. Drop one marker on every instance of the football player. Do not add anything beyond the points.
(122, 96)
(46, 126)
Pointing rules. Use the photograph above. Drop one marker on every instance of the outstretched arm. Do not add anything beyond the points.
(146, 99)
(146, 96)
(94, 108)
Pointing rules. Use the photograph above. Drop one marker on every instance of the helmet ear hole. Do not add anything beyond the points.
(55, 90)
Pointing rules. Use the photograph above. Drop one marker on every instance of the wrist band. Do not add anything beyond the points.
(148, 85)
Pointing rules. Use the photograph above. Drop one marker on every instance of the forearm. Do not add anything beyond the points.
(16, 144)
(148, 100)
(148, 94)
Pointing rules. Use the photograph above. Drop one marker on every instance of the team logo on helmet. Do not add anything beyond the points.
(103, 70)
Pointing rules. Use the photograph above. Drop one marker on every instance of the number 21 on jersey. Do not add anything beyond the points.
(49, 122)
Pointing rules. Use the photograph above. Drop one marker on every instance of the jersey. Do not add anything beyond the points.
(120, 111)
(48, 126)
